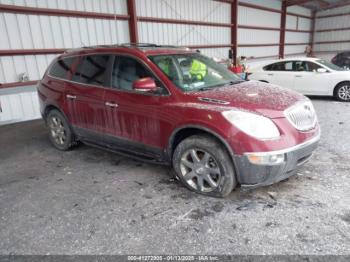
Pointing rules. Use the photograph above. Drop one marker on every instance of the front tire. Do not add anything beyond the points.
(204, 166)
(342, 92)
(60, 133)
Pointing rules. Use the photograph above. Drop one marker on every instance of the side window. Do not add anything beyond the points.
(280, 66)
(62, 67)
(92, 70)
(127, 70)
(288, 66)
(311, 67)
(268, 67)
(300, 66)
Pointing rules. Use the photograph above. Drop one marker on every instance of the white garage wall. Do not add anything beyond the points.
(18, 104)
(45, 32)
(180, 34)
(20, 31)
(248, 16)
(99, 6)
(297, 23)
(324, 23)
(196, 10)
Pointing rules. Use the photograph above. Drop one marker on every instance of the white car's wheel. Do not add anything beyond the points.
(342, 92)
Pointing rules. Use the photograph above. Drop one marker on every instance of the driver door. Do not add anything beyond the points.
(135, 119)
(310, 82)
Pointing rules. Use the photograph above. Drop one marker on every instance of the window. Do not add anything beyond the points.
(311, 67)
(280, 66)
(61, 68)
(193, 71)
(92, 70)
(299, 66)
(127, 70)
(329, 65)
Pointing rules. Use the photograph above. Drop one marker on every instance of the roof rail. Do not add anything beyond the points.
(135, 45)
(83, 47)
(148, 45)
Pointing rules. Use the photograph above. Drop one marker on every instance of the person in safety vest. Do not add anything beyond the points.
(198, 70)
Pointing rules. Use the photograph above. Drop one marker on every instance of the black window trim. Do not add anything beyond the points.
(114, 54)
(55, 62)
(274, 63)
(108, 78)
(168, 93)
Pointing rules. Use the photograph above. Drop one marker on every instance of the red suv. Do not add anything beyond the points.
(173, 105)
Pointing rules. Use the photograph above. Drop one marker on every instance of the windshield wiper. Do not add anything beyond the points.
(206, 88)
(234, 82)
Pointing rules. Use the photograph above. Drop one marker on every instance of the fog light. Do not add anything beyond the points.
(267, 159)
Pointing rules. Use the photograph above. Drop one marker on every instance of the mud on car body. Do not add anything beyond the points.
(175, 106)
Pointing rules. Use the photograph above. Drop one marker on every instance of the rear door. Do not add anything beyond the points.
(281, 73)
(85, 96)
(134, 118)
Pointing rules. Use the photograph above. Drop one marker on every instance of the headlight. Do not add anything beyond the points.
(252, 124)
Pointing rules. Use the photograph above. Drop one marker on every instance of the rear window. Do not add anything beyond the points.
(61, 68)
(92, 70)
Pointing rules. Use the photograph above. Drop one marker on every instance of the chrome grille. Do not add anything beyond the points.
(302, 116)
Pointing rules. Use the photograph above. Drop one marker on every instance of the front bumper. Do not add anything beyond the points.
(254, 175)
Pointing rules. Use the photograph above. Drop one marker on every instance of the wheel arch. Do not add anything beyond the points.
(51, 107)
(336, 86)
(183, 132)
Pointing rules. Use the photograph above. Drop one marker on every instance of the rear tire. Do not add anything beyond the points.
(204, 166)
(60, 133)
(342, 92)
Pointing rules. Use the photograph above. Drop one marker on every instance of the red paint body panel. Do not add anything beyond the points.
(151, 120)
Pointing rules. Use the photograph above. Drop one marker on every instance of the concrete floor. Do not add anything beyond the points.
(92, 202)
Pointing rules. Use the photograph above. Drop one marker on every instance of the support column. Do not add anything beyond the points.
(312, 36)
(234, 22)
(132, 21)
(283, 29)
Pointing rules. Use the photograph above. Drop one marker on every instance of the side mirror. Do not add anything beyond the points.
(322, 70)
(146, 84)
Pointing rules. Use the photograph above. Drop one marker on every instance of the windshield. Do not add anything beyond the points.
(193, 72)
(330, 65)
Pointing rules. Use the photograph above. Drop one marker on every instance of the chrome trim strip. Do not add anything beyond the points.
(287, 150)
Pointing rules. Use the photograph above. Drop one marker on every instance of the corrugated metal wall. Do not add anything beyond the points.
(30, 31)
(248, 16)
(19, 104)
(297, 23)
(20, 31)
(325, 23)
(179, 34)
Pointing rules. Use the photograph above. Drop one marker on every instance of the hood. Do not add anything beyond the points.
(266, 99)
(345, 73)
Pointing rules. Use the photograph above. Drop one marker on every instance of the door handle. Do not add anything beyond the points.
(71, 97)
(111, 104)
(298, 76)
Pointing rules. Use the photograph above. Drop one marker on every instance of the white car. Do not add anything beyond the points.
(309, 76)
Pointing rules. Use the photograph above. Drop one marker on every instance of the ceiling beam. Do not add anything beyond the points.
(340, 4)
(296, 2)
(323, 4)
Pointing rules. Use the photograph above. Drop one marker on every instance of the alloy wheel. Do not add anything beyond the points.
(57, 130)
(200, 170)
(344, 92)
